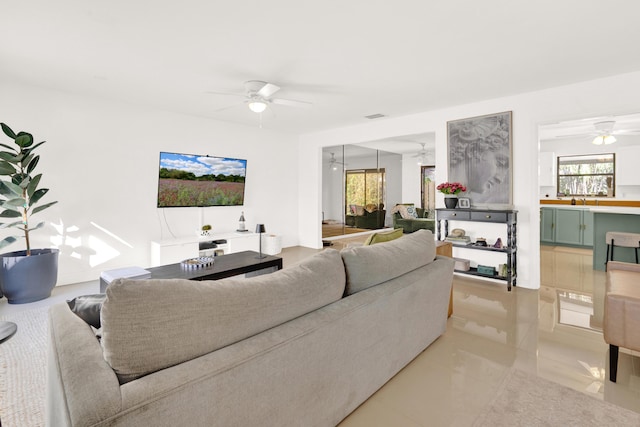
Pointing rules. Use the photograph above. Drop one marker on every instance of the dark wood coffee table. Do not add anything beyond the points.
(223, 266)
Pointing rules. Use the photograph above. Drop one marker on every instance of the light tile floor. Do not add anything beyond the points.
(554, 332)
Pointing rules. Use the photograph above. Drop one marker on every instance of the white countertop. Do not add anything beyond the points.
(580, 206)
(615, 210)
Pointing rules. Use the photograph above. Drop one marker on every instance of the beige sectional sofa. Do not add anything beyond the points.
(303, 346)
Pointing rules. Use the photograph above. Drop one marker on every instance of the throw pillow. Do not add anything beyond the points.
(87, 307)
(412, 212)
(371, 208)
(386, 236)
(359, 210)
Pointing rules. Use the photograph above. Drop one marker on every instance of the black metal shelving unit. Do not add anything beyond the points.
(507, 217)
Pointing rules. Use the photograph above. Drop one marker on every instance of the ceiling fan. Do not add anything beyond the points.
(602, 132)
(333, 162)
(422, 154)
(258, 95)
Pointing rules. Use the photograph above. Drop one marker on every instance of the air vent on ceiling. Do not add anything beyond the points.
(375, 116)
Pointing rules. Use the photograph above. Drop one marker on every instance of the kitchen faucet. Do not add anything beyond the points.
(584, 201)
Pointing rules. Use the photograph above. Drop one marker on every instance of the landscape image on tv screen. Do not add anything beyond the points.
(187, 180)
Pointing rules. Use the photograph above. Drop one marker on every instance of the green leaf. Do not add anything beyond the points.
(9, 157)
(9, 189)
(7, 241)
(32, 164)
(7, 131)
(24, 183)
(16, 209)
(33, 185)
(17, 202)
(24, 139)
(37, 195)
(36, 146)
(8, 147)
(26, 159)
(6, 168)
(10, 224)
(10, 214)
(40, 225)
(43, 207)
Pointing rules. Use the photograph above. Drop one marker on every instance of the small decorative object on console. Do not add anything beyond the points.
(464, 203)
(462, 264)
(200, 262)
(204, 231)
(241, 226)
(483, 269)
(498, 243)
(481, 241)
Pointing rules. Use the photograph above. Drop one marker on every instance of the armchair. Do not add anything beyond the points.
(362, 218)
(621, 311)
(403, 217)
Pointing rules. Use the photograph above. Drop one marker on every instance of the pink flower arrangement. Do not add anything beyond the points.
(451, 188)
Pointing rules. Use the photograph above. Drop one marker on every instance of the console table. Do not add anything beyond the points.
(507, 217)
(223, 266)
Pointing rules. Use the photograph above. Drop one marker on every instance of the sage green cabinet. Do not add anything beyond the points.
(568, 227)
(547, 225)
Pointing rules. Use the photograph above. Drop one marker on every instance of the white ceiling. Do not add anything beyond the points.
(350, 58)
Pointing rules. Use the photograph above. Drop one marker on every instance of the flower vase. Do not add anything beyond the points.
(451, 202)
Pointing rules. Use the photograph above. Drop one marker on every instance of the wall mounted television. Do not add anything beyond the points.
(189, 180)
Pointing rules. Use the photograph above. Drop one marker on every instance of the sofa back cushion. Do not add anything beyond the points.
(151, 324)
(368, 266)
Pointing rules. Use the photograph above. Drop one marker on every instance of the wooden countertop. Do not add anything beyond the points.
(592, 202)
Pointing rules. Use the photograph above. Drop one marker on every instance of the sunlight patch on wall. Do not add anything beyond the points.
(103, 251)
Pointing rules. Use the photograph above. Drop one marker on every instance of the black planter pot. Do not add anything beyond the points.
(25, 278)
(451, 202)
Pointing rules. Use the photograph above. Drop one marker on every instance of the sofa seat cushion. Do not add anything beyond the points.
(368, 266)
(151, 324)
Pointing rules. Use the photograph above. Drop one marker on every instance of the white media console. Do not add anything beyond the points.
(175, 250)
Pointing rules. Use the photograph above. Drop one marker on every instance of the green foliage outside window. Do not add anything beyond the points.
(363, 187)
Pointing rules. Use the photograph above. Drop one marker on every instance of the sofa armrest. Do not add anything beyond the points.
(82, 389)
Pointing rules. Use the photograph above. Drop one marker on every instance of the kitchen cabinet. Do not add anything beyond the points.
(547, 225)
(566, 226)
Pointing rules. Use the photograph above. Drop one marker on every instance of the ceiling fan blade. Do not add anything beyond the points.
(626, 132)
(268, 89)
(291, 103)
(576, 135)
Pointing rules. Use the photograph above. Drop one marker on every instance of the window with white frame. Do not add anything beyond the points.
(586, 175)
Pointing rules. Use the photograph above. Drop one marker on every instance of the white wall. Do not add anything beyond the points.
(101, 163)
(614, 95)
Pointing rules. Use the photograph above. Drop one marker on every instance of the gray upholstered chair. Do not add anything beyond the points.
(621, 311)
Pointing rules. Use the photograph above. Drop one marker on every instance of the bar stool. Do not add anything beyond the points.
(622, 239)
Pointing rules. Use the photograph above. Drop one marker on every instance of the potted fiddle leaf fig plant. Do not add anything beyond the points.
(26, 275)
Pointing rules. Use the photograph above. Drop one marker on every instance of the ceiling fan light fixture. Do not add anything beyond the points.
(257, 106)
(604, 139)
